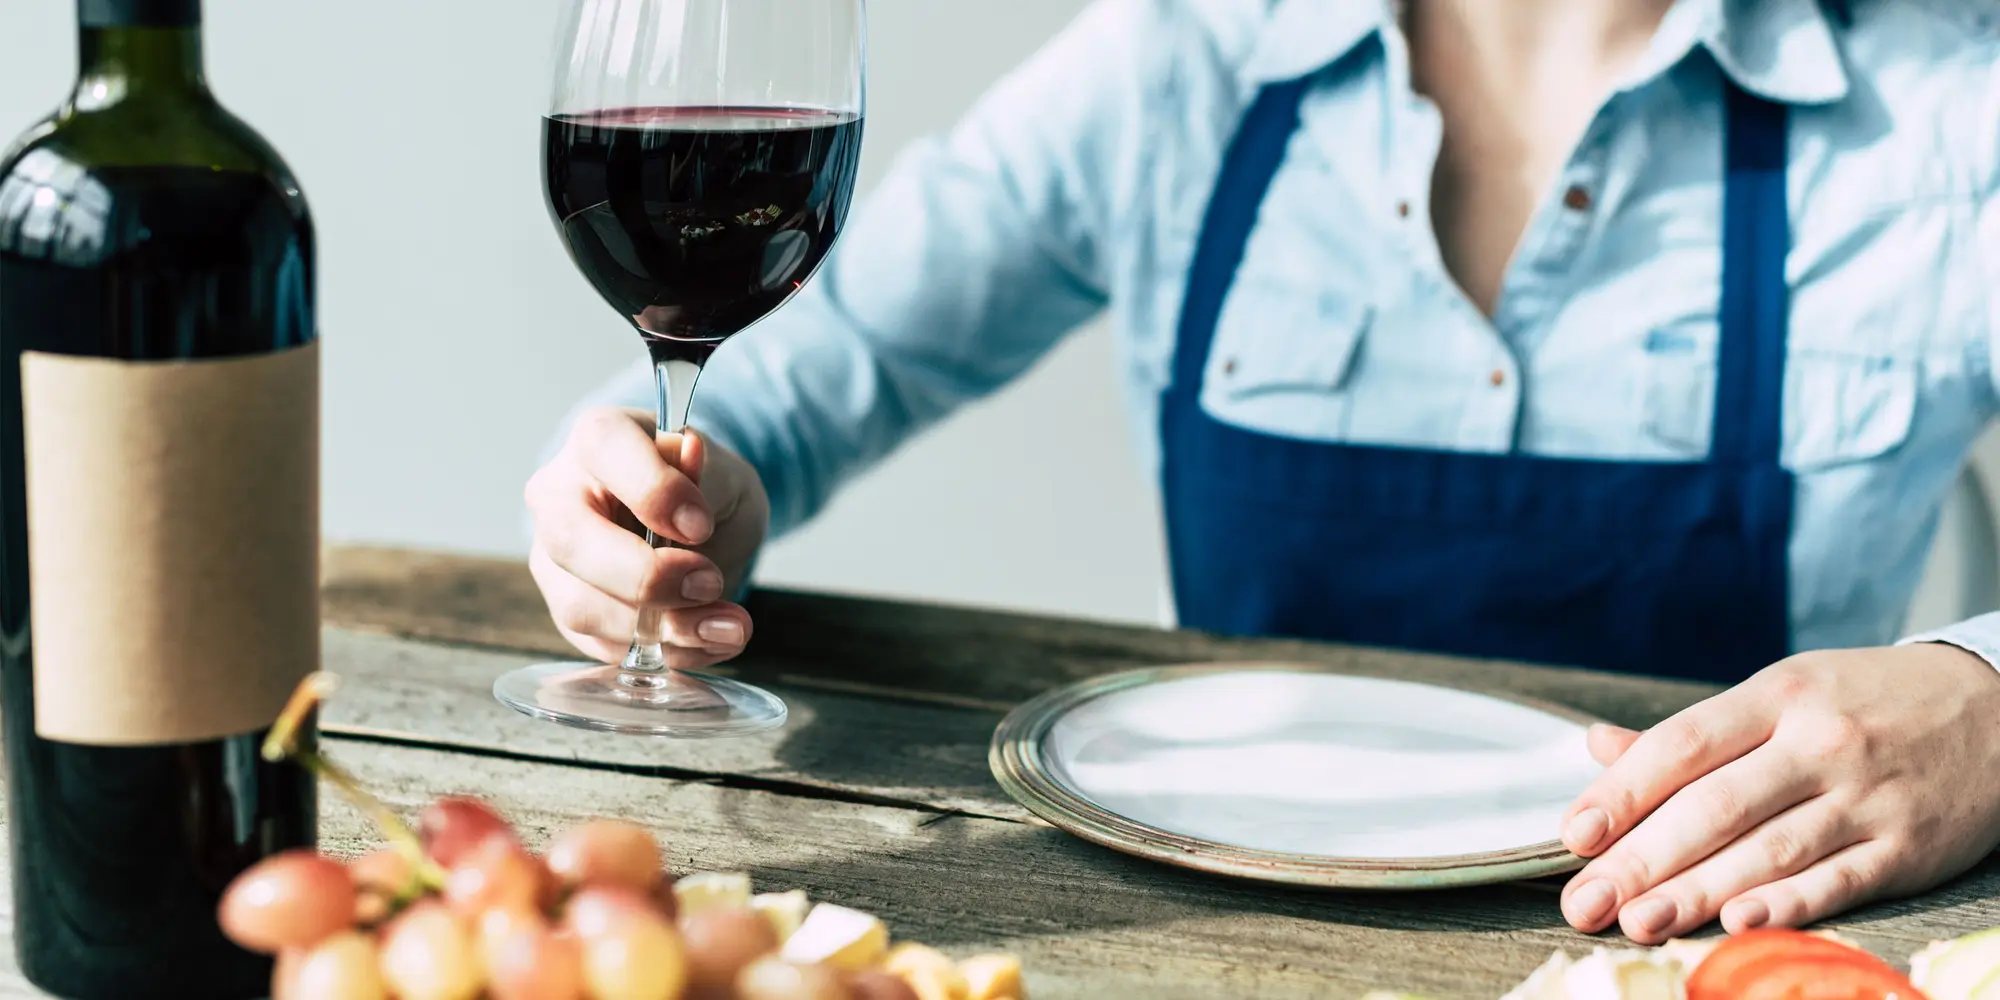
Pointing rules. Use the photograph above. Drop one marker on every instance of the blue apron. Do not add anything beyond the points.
(1667, 568)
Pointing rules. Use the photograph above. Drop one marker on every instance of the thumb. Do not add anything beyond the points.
(1608, 743)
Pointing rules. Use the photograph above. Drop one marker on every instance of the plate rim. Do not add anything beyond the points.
(1015, 757)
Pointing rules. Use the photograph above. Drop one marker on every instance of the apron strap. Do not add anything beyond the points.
(1755, 317)
(1248, 167)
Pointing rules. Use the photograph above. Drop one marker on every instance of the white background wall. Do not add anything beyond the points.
(457, 332)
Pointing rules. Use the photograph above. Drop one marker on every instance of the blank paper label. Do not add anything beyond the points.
(173, 543)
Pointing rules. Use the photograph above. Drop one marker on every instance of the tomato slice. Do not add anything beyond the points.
(1726, 963)
(1792, 965)
(1823, 978)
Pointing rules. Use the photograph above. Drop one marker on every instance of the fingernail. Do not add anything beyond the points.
(1591, 905)
(1750, 914)
(1586, 830)
(702, 585)
(1652, 916)
(721, 631)
(694, 523)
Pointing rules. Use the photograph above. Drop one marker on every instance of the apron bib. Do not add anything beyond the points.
(1670, 569)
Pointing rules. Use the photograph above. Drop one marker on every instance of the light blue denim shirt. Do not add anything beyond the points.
(1078, 184)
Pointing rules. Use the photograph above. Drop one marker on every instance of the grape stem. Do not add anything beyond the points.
(285, 743)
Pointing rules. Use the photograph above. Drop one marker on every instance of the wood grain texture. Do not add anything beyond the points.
(947, 656)
(920, 756)
(892, 702)
(1090, 923)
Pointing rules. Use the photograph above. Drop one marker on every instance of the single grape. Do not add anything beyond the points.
(602, 909)
(720, 942)
(427, 955)
(371, 908)
(606, 852)
(290, 900)
(874, 984)
(452, 827)
(384, 869)
(342, 967)
(771, 978)
(527, 961)
(381, 876)
(504, 922)
(636, 956)
(495, 873)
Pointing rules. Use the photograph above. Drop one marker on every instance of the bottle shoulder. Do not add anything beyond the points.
(75, 189)
(57, 212)
(152, 134)
(256, 148)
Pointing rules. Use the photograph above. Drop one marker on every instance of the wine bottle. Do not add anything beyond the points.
(158, 514)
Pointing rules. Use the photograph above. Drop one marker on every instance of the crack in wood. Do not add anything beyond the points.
(744, 782)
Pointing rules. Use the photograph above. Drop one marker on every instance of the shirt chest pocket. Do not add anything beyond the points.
(1839, 408)
(1282, 359)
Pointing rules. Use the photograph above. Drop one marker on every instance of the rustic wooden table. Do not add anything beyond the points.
(877, 794)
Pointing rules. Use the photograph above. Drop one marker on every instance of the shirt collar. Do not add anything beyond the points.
(1303, 36)
(1782, 50)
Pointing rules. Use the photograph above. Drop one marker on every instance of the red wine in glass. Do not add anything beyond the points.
(697, 222)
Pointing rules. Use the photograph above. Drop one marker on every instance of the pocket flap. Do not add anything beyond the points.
(1274, 339)
(1839, 407)
(1843, 408)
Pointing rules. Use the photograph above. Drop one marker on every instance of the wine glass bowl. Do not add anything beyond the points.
(699, 158)
(694, 223)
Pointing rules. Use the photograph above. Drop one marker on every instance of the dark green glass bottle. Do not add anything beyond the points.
(158, 496)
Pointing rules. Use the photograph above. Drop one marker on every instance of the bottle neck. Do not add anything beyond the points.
(135, 48)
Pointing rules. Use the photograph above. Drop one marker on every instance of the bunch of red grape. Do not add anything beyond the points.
(471, 914)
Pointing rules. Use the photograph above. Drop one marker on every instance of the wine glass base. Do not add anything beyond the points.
(676, 705)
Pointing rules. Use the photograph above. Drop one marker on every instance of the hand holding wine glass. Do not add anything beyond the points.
(611, 480)
(699, 156)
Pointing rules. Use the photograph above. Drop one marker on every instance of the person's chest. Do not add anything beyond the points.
(1345, 324)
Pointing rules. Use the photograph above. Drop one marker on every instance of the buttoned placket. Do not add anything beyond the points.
(1491, 398)
(1538, 277)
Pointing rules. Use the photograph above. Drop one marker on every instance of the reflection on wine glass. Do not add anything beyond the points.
(699, 158)
(656, 320)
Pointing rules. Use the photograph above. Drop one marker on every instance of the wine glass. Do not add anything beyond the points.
(699, 158)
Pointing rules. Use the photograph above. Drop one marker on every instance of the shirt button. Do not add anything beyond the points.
(1498, 378)
(1229, 367)
(1402, 210)
(1578, 199)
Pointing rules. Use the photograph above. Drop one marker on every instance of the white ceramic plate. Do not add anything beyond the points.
(1288, 773)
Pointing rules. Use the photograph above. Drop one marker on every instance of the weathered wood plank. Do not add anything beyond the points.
(919, 755)
(1091, 923)
(943, 655)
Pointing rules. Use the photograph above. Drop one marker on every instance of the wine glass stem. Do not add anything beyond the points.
(673, 384)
